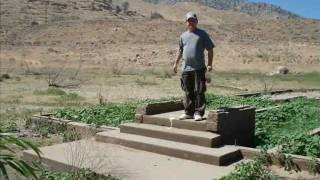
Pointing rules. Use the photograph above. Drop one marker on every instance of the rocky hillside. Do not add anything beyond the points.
(254, 9)
(21, 15)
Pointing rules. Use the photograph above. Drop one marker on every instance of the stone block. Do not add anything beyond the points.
(236, 125)
(158, 108)
(139, 118)
(217, 121)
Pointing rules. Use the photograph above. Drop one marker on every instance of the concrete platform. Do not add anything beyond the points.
(171, 119)
(125, 163)
(216, 156)
(175, 114)
(201, 138)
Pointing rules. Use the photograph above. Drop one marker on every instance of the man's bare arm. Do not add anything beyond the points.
(176, 63)
(210, 58)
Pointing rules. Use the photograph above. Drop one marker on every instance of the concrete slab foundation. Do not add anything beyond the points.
(125, 163)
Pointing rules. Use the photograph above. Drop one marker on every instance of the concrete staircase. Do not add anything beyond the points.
(159, 142)
(157, 135)
(200, 138)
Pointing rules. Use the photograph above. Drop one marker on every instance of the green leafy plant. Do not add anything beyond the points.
(289, 126)
(8, 157)
(216, 101)
(105, 114)
(71, 135)
(113, 114)
(302, 144)
(251, 170)
(264, 157)
(82, 174)
(273, 127)
(287, 162)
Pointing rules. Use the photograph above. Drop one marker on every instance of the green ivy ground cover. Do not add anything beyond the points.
(113, 114)
(287, 125)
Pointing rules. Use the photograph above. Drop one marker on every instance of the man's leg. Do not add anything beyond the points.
(187, 85)
(200, 89)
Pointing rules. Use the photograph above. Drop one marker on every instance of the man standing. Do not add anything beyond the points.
(192, 44)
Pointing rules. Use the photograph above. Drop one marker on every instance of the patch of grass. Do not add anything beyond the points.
(71, 97)
(83, 174)
(305, 80)
(166, 74)
(71, 135)
(62, 98)
(265, 57)
(156, 15)
(144, 82)
(107, 114)
(5, 76)
(51, 92)
(44, 128)
(41, 141)
(217, 101)
(240, 75)
(309, 79)
(11, 119)
(163, 72)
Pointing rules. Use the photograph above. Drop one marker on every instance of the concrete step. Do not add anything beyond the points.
(171, 120)
(215, 156)
(201, 138)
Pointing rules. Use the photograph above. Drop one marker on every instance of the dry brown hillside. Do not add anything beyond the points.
(177, 11)
(102, 39)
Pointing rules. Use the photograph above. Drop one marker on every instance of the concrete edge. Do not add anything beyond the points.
(203, 157)
(78, 126)
(51, 164)
(207, 141)
(315, 132)
(266, 109)
(276, 92)
(159, 107)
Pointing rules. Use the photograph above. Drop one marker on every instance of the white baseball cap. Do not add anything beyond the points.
(191, 15)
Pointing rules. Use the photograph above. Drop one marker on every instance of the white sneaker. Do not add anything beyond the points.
(197, 117)
(185, 116)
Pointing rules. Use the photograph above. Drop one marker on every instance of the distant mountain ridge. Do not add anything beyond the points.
(251, 8)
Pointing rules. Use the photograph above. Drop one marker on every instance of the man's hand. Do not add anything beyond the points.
(175, 68)
(176, 63)
(210, 59)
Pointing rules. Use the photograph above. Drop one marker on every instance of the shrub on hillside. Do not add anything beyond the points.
(156, 15)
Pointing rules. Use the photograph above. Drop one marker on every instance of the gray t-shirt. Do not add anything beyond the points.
(193, 44)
